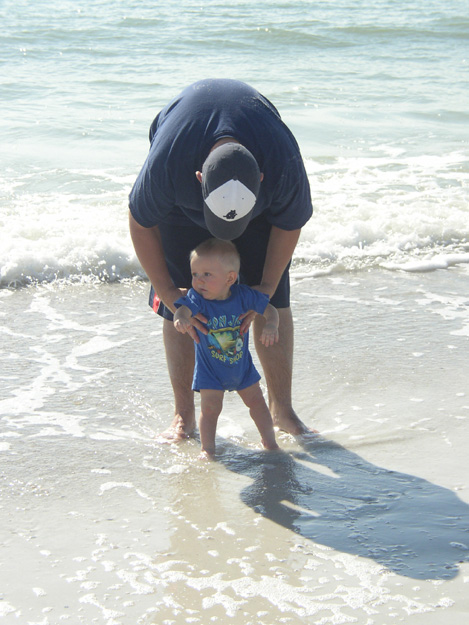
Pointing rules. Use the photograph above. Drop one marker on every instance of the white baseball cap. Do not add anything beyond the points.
(231, 181)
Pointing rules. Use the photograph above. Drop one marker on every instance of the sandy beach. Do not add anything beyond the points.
(366, 523)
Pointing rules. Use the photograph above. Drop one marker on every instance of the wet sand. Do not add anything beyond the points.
(366, 523)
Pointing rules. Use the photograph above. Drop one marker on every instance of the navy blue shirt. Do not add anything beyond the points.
(185, 131)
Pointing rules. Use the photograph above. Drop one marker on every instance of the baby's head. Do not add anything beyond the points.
(215, 266)
(223, 251)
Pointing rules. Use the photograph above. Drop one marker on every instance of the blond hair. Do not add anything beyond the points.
(225, 251)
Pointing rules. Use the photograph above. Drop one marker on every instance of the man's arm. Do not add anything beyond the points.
(282, 244)
(280, 249)
(182, 319)
(269, 334)
(149, 250)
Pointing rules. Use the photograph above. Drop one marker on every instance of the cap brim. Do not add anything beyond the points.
(226, 230)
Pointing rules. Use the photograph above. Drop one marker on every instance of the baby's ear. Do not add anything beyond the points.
(232, 277)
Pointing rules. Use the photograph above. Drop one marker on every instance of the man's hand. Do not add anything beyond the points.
(247, 318)
(269, 334)
(250, 315)
(196, 322)
(183, 321)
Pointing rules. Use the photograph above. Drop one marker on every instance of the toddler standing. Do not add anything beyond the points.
(222, 358)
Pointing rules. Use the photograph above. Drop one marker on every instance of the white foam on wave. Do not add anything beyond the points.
(430, 263)
(450, 308)
(384, 207)
(66, 224)
(369, 210)
(6, 608)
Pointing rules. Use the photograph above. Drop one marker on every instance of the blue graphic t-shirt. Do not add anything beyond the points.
(222, 358)
(183, 134)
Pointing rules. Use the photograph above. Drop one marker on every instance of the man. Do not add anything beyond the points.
(221, 163)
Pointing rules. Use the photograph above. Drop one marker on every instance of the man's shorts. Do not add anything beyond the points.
(179, 241)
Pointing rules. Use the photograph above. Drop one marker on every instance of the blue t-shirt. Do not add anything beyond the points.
(185, 131)
(222, 358)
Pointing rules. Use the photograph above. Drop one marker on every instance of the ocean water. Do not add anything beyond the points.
(366, 523)
(375, 94)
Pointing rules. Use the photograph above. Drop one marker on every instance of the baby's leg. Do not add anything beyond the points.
(254, 399)
(211, 402)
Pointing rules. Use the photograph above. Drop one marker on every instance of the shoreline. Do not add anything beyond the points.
(367, 522)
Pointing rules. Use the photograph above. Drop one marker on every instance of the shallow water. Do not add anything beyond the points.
(376, 96)
(367, 522)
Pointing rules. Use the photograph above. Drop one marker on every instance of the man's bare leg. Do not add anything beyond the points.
(180, 361)
(277, 363)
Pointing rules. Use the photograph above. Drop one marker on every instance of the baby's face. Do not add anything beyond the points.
(210, 277)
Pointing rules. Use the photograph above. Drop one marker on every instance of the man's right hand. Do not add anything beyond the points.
(168, 298)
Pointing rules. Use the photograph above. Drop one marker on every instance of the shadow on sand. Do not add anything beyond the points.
(334, 497)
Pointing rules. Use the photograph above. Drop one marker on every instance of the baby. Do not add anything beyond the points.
(222, 358)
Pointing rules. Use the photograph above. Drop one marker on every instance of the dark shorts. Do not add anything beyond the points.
(179, 241)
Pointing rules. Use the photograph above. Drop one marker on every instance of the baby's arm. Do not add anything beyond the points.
(269, 334)
(182, 319)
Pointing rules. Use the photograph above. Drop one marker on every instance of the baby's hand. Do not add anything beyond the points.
(182, 325)
(269, 334)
